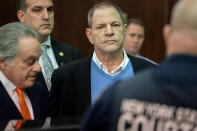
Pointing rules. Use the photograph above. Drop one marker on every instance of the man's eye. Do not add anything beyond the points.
(50, 9)
(30, 62)
(99, 27)
(132, 35)
(36, 10)
(140, 36)
(116, 25)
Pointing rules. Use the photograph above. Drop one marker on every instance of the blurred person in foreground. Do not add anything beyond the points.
(161, 99)
(39, 14)
(134, 38)
(21, 97)
(77, 85)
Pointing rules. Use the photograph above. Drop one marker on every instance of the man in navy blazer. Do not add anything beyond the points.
(64, 54)
(77, 85)
(19, 65)
(71, 91)
(40, 16)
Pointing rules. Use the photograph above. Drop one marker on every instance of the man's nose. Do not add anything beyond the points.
(45, 14)
(37, 67)
(109, 31)
(136, 39)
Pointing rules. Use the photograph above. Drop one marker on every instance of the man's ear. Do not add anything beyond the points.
(166, 33)
(21, 15)
(3, 64)
(125, 26)
(89, 35)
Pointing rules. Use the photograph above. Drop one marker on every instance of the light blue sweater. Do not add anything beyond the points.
(100, 80)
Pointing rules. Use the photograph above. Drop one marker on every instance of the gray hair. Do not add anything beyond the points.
(9, 38)
(21, 5)
(101, 5)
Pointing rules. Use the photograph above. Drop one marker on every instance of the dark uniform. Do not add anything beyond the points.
(160, 99)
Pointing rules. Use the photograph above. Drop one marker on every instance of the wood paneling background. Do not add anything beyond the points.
(71, 21)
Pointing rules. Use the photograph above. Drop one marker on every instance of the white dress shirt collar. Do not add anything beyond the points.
(9, 86)
(47, 42)
(115, 71)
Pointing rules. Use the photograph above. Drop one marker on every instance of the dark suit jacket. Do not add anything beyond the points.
(38, 96)
(69, 54)
(71, 86)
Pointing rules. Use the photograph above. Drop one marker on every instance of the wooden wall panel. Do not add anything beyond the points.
(7, 11)
(152, 13)
(71, 21)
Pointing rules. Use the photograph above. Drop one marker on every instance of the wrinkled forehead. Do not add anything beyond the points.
(39, 3)
(106, 13)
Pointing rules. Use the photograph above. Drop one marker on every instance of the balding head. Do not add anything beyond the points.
(181, 35)
(184, 15)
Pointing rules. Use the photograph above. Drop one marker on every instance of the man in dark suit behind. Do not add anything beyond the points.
(19, 55)
(77, 85)
(39, 14)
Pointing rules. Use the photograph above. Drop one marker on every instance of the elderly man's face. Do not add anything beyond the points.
(107, 32)
(22, 70)
(39, 15)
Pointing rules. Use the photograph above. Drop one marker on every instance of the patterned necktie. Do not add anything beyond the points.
(23, 106)
(47, 65)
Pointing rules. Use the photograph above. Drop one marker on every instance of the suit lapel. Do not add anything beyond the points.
(61, 55)
(83, 82)
(8, 110)
(137, 65)
(38, 96)
(34, 98)
(41, 79)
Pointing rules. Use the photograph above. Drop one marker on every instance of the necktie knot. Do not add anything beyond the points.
(44, 47)
(19, 91)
